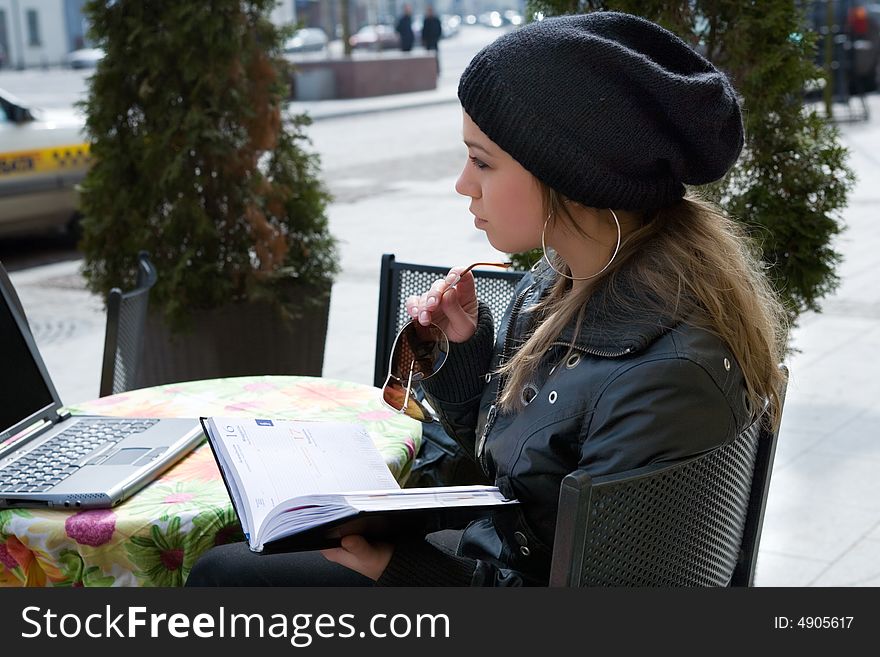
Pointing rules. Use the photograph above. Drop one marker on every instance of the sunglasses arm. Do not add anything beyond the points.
(487, 264)
(408, 387)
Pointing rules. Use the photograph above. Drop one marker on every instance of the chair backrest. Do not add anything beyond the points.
(124, 335)
(398, 280)
(695, 523)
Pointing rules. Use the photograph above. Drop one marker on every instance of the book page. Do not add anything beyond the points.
(278, 460)
(426, 498)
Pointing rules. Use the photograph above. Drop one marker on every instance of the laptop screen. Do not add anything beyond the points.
(23, 390)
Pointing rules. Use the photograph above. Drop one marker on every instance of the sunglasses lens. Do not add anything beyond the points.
(395, 396)
(419, 350)
(418, 353)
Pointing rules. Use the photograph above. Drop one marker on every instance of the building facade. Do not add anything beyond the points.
(33, 33)
(40, 33)
(37, 33)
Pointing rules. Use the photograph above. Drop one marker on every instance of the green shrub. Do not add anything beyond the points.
(194, 160)
(792, 180)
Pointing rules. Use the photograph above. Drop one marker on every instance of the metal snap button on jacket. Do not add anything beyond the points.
(529, 392)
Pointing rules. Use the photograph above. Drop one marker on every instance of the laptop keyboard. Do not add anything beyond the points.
(59, 457)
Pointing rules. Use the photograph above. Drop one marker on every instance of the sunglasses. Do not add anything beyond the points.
(418, 354)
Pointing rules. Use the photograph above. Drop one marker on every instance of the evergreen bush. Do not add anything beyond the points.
(792, 179)
(194, 160)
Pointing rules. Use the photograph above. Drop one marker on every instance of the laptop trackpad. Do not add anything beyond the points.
(126, 456)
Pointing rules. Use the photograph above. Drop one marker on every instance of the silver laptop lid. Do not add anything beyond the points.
(27, 395)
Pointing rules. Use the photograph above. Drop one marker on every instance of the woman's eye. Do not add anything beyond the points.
(478, 163)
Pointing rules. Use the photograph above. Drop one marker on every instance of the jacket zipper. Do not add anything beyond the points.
(505, 354)
(594, 352)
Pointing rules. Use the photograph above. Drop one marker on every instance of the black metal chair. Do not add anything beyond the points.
(398, 280)
(124, 336)
(695, 523)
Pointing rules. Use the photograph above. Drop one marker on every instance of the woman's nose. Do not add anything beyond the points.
(465, 185)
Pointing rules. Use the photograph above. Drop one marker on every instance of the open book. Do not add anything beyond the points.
(303, 485)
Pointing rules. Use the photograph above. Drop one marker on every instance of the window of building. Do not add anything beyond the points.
(33, 25)
(4, 42)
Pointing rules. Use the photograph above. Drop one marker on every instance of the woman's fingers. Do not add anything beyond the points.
(465, 288)
(460, 322)
(429, 302)
(358, 554)
(412, 305)
(452, 298)
(433, 295)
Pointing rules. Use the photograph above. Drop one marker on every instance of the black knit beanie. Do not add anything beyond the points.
(606, 108)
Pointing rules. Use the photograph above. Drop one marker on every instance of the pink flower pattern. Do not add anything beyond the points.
(172, 558)
(92, 528)
(7, 559)
(178, 498)
(258, 387)
(375, 415)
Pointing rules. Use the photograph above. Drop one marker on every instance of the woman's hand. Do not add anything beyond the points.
(358, 554)
(453, 309)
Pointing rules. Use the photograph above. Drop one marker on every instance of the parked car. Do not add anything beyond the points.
(84, 58)
(512, 17)
(450, 24)
(43, 156)
(855, 34)
(491, 19)
(307, 39)
(375, 37)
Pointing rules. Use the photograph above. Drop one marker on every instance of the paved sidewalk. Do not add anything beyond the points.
(822, 526)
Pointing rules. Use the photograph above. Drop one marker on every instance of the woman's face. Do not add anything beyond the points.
(505, 198)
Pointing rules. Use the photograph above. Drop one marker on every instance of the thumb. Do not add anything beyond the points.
(460, 322)
(354, 543)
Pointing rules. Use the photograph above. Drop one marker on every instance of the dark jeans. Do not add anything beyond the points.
(236, 565)
(436, 52)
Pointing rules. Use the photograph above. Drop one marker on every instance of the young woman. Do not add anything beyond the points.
(648, 334)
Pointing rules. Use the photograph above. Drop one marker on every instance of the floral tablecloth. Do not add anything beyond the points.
(154, 538)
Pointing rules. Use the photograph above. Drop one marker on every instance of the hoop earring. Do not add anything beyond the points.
(580, 278)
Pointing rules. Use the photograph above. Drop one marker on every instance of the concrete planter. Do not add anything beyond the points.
(238, 340)
(364, 75)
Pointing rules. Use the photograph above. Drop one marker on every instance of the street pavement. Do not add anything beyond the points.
(822, 525)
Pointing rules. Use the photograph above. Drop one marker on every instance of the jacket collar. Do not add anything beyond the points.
(608, 328)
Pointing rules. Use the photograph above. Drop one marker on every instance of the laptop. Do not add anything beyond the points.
(51, 459)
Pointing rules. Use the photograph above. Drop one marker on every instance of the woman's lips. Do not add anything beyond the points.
(479, 222)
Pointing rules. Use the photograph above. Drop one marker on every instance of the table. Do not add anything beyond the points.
(155, 537)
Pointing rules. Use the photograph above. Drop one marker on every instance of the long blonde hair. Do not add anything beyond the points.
(690, 262)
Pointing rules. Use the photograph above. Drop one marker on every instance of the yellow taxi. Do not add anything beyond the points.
(43, 156)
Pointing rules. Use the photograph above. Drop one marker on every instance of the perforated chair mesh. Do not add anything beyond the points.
(399, 280)
(696, 523)
(124, 338)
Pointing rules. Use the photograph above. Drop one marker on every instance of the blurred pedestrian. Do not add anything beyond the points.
(431, 32)
(404, 29)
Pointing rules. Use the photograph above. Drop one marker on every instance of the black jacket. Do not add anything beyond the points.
(404, 29)
(637, 389)
(432, 30)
